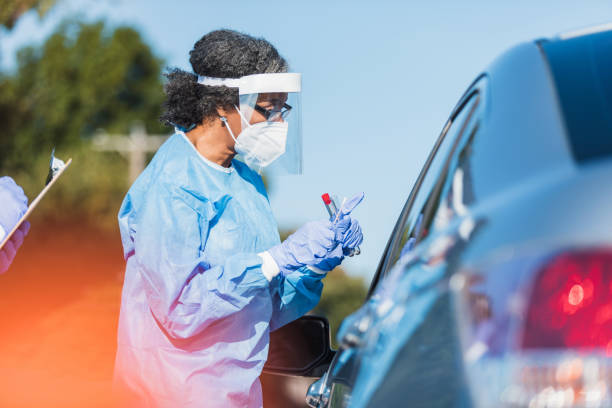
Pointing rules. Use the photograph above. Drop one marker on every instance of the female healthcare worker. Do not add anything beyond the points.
(13, 204)
(206, 276)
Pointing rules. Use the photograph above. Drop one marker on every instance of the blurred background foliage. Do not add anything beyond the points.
(84, 78)
(11, 10)
(342, 295)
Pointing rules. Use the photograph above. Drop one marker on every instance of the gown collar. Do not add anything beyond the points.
(212, 164)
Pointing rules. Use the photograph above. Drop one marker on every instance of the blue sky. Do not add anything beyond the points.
(379, 80)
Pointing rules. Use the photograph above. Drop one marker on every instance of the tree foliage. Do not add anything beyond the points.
(342, 295)
(11, 10)
(85, 77)
(82, 79)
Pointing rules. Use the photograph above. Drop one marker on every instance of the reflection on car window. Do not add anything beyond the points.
(457, 191)
(433, 206)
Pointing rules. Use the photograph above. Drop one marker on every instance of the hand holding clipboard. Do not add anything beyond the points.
(56, 169)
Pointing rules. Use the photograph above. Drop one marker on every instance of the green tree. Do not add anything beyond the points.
(11, 10)
(83, 78)
(342, 295)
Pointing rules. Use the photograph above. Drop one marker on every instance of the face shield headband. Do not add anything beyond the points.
(258, 83)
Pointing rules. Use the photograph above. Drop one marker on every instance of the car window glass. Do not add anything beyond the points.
(428, 202)
(457, 193)
(453, 192)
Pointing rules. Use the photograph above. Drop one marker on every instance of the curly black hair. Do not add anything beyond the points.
(220, 54)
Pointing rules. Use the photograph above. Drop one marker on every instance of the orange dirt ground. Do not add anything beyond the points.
(59, 306)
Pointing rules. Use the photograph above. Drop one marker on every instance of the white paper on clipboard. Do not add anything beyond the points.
(35, 202)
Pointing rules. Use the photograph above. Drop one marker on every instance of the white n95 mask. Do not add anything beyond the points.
(261, 143)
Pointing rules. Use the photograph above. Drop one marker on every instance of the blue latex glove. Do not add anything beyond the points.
(309, 245)
(347, 226)
(14, 204)
(9, 250)
(331, 260)
(352, 238)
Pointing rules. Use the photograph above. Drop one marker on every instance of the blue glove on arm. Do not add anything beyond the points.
(9, 250)
(14, 204)
(307, 246)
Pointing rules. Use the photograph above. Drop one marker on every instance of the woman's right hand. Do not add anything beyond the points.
(309, 245)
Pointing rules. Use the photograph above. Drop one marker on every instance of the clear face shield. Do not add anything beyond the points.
(272, 104)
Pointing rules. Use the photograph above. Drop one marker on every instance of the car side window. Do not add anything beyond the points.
(457, 192)
(428, 208)
(452, 191)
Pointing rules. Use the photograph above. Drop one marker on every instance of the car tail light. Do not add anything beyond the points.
(557, 322)
(571, 303)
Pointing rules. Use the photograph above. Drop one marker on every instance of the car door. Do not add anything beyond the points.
(431, 206)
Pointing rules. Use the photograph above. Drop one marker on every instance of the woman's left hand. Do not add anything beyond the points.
(9, 250)
(348, 231)
(352, 237)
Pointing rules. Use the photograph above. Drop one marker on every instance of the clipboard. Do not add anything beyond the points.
(56, 169)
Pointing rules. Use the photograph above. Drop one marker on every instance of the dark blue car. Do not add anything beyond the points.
(495, 288)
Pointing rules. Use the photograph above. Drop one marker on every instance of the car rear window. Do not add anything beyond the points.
(582, 72)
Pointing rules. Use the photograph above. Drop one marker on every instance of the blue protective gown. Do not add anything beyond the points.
(196, 310)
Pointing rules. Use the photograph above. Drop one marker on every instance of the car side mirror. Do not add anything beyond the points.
(300, 348)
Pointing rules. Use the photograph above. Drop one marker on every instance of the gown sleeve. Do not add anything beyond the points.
(295, 295)
(184, 293)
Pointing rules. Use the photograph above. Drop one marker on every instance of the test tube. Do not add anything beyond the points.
(328, 202)
(334, 207)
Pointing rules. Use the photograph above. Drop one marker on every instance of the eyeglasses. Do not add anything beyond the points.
(272, 115)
